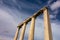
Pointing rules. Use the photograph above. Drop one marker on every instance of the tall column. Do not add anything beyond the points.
(16, 34)
(23, 31)
(47, 26)
(32, 27)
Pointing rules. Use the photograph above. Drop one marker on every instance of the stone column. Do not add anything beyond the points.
(23, 31)
(47, 26)
(16, 34)
(32, 27)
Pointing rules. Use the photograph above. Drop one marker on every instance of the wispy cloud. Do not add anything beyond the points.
(10, 16)
(5, 38)
(55, 5)
(7, 23)
(9, 19)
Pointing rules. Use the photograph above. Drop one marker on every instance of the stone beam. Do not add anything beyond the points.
(39, 12)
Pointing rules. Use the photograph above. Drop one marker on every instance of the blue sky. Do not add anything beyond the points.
(13, 12)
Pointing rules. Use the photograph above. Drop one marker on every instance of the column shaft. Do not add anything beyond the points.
(32, 27)
(47, 26)
(23, 31)
(16, 34)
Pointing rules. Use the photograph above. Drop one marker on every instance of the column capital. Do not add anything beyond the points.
(45, 8)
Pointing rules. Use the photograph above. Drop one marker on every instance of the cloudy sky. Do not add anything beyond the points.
(13, 12)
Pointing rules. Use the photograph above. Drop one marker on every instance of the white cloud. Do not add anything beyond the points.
(7, 23)
(55, 5)
(52, 16)
(55, 30)
(49, 1)
(5, 38)
(9, 19)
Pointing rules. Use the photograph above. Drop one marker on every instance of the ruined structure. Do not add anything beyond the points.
(47, 26)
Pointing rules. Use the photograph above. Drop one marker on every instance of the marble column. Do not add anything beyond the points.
(32, 27)
(22, 31)
(16, 34)
(47, 26)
